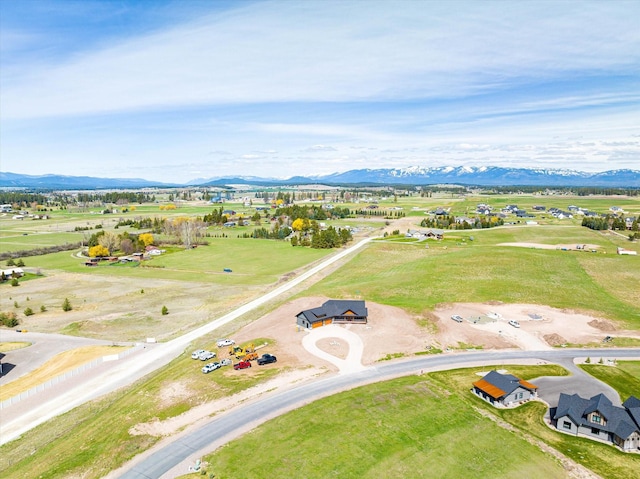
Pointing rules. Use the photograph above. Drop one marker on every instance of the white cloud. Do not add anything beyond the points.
(333, 51)
(284, 88)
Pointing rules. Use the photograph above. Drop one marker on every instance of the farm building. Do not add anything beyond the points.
(598, 418)
(12, 273)
(333, 311)
(504, 389)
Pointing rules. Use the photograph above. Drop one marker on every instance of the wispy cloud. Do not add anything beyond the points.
(322, 85)
(331, 51)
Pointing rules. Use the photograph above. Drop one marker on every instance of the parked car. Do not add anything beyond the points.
(225, 342)
(196, 354)
(266, 359)
(207, 368)
(457, 318)
(225, 362)
(514, 323)
(206, 355)
(242, 365)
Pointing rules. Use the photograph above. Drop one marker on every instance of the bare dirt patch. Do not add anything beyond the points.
(194, 415)
(602, 325)
(173, 392)
(540, 326)
(565, 247)
(554, 339)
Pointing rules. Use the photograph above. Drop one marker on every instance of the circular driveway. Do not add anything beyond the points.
(352, 363)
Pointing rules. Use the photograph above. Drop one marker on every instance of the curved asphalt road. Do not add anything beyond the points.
(157, 464)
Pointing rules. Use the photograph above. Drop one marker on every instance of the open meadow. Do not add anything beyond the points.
(123, 302)
(408, 427)
(420, 426)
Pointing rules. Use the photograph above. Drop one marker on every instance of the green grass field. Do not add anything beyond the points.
(408, 427)
(624, 377)
(605, 460)
(417, 279)
(96, 438)
(252, 261)
(381, 436)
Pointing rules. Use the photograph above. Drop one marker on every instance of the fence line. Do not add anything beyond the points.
(63, 377)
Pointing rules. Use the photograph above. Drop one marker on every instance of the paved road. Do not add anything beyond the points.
(126, 372)
(579, 383)
(222, 429)
(44, 346)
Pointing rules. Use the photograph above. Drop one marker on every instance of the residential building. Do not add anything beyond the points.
(333, 311)
(504, 390)
(597, 418)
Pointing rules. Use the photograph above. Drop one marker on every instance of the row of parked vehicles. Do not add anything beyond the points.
(203, 355)
(245, 355)
(207, 368)
(458, 319)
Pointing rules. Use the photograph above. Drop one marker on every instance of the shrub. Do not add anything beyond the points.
(66, 305)
(28, 312)
(15, 282)
(164, 311)
(20, 263)
(9, 319)
(43, 308)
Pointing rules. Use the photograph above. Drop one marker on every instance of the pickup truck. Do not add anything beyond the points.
(206, 355)
(266, 359)
(242, 365)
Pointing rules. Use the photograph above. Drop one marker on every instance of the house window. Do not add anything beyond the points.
(595, 418)
(566, 425)
(595, 430)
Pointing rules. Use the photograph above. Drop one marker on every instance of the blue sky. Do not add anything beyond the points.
(172, 91)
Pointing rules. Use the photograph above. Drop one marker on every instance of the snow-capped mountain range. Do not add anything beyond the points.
(488, 176)
(413, 175)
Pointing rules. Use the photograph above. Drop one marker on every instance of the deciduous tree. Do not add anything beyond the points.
(109, 240)
(126, 246)
(146, 238)
(98, 251)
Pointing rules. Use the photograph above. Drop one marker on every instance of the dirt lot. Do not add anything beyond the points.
(392, 331)
(541, 327)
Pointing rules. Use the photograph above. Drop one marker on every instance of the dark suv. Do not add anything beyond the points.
(266, 359)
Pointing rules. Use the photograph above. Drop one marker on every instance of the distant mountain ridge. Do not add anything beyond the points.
(63, 182)
(413, 175)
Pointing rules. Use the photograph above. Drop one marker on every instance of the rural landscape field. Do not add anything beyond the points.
(319, 239)
(568, 276)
